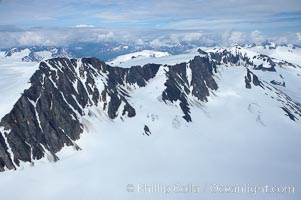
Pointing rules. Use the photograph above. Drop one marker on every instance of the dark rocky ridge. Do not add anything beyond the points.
(201, 82)
(239, 58)
(252, 78)
(48, 114)
(236, 57)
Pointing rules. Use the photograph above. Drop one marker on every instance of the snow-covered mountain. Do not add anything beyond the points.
(141, 55)
(109, 50)
(183, 116)
(16, 67)
(35, 53)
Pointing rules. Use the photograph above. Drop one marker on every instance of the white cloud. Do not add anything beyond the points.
(237, 37)
(257, 36)
(188, 37)
(84, 26)
(105, 36)
(158, 43)
(299, 35)
(177, 14)
(156, 38)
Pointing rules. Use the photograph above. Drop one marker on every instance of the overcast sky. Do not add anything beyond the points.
(270, 17)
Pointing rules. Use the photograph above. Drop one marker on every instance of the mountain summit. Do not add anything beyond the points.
(64, 93)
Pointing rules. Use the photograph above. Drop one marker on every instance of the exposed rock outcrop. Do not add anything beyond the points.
(48, 115)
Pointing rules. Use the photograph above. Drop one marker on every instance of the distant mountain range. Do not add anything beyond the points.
(109, 50)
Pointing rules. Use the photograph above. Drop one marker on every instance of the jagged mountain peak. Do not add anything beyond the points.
(49, 113)
(65, 93)
(237, 55)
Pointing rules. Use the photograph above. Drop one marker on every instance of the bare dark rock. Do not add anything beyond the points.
(201, 82)
(147, 131)
(47, 115)
(278, 83)
(289, 114)
(247, 82)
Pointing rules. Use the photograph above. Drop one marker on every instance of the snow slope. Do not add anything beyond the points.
(16, 69)
(135, 57)
(287, 53)
(239, 137)
(14, 76)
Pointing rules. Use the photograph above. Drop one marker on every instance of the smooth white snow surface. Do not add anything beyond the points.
(286, 53)
(239, 137)
(139, 58)
(14, 77)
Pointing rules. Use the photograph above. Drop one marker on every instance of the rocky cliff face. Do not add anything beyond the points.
(194, 77)
(238, 56)
(49, 114)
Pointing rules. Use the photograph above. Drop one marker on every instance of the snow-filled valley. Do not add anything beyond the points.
(239, 136)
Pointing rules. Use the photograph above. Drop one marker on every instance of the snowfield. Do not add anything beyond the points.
(135, 58)
(14, 76)
(287, 53)
(239, 137)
